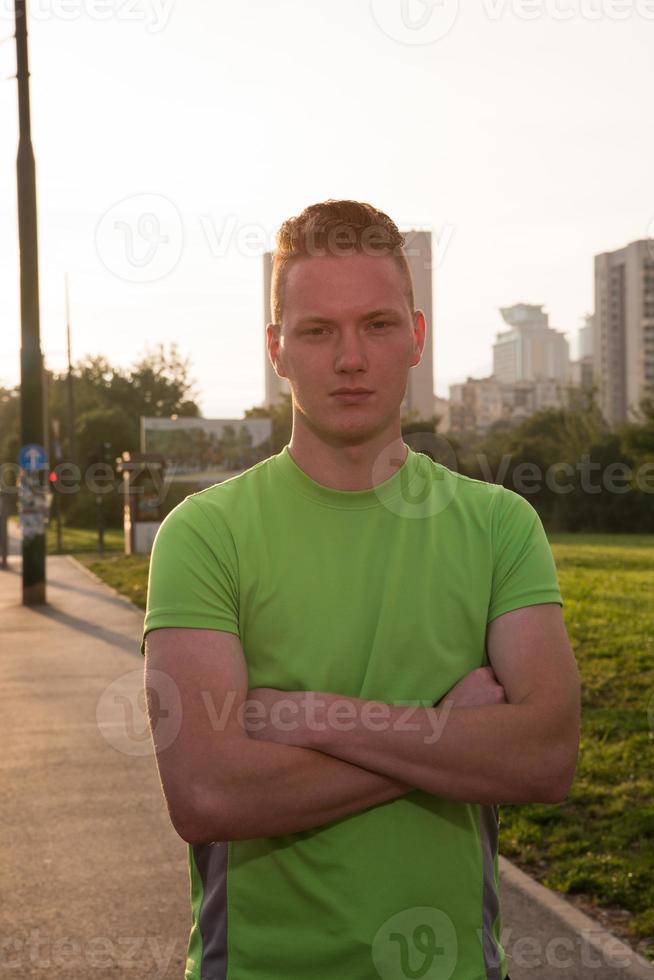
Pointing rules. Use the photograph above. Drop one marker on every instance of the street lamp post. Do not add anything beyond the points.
(33, 496)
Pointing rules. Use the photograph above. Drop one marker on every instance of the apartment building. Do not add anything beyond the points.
(623, 329)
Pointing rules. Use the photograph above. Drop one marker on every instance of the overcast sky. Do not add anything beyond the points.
(172, 139)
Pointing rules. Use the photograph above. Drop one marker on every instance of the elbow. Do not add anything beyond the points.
(192, 831)
(555, 778)
(200, 820)
(196, 831)
(556, 791)
(195, 836)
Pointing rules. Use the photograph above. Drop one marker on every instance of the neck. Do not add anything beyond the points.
(348, 465)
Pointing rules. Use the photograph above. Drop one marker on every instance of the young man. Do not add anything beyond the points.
(369, 652)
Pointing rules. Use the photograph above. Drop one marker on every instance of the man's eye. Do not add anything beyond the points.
(380, 323)
(314, 330)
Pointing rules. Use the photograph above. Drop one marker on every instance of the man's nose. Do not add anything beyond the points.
(350, 353)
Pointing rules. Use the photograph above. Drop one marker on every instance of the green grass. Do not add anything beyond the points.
(600, 842)
(76, 540)
(126, 573)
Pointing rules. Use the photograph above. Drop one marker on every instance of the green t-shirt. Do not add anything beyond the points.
(381, 594)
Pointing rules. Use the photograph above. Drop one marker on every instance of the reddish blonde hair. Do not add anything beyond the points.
(336, 228)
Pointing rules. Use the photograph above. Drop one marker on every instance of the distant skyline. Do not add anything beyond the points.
(172, 139)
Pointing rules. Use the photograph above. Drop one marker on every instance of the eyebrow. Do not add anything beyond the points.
(314, 318)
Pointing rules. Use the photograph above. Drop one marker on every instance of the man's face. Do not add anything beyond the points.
(347, 324)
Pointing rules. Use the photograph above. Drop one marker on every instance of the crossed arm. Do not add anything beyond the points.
(300, 759)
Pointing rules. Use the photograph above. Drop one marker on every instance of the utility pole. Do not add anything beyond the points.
(103, 449)
(33, 460)
(54, 481)
(71, 391)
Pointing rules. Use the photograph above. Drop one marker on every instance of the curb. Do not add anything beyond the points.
(99, 581)
(604, 942)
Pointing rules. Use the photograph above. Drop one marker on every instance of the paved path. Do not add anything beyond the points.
(93, 878)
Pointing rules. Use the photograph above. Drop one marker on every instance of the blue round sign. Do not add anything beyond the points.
(32, 457)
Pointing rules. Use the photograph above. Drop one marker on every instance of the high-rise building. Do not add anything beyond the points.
(530, 349)
(418, 401)
(623, 329)
(580, 373)
(585, 338)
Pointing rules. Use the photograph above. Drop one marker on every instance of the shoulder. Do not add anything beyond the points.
(217, 507)
(458, 491)
(230, 493)
(476, 502)
(513, 507)
(467, 485)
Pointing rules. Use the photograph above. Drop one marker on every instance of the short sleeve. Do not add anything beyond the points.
(524, 572)
(193, 577)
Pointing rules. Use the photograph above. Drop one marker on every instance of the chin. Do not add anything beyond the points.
(354, 430)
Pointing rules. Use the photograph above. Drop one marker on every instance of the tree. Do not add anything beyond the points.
(555, 456)
(157, 384)
(109, 401)
(9, 424)
(638, 437)
(281, 415)
(99, 425)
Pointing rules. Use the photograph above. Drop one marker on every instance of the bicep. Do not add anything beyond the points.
(193, 578)
(196, 681)
(530, 653)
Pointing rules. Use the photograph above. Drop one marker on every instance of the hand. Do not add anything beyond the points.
(479, 687)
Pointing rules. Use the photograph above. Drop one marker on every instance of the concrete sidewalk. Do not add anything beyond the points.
(93, 878)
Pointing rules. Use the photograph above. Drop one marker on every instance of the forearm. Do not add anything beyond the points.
(498, 753)
(282, 789)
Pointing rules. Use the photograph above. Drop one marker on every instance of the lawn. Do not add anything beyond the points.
(126, 573)
(76, 540)
(599, 843)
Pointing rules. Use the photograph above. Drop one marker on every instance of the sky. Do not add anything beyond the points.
(172, 139)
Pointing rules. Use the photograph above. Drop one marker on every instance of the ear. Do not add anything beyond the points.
(419, 333)
(273, 331)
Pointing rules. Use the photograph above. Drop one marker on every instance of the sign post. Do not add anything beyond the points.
(33, 510)
(32, 496)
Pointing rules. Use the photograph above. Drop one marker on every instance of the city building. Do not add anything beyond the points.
(530, 349)
(418, 401)
(623, 329)
(442, 413)
(475, 404)
(585, 338)
(581, 372)
(478, 403)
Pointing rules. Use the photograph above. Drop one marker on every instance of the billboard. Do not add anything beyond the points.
(206, 450)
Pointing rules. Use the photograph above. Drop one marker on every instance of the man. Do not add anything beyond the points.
(369, 652)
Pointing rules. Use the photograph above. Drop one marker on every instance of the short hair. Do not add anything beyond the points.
(336, 228)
